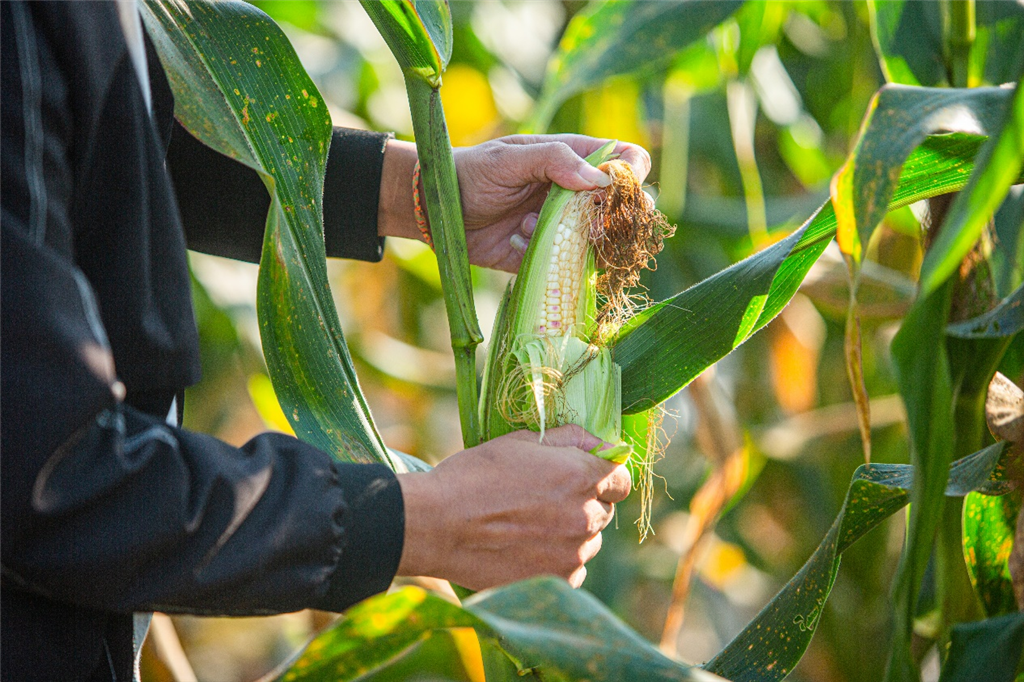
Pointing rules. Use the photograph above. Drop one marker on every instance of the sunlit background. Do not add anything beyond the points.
(739, 161)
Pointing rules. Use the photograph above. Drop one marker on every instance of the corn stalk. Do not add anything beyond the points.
(420, 36)
(444, 208)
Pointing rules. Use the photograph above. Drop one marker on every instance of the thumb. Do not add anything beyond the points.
(552, 162)
(572, 436)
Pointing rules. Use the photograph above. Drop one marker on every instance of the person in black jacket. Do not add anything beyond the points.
(108, 508)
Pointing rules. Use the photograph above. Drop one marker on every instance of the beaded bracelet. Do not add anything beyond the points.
(418, 212)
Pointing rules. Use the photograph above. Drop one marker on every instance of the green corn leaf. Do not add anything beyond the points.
(772, 644)
(923, 375)
(302, 14)
(376, 632)
(989, 526)
(542, 624)
(448, 655)
(665, 347)
(759, 23)
(419, 33)
(612, 38)
(898, 119)
(567, 634)
(546, 627)
(999, 41)
(1006, 319)
(239, 88)
(908, 39)
(987, 650)
(999, 164)
(668, 345)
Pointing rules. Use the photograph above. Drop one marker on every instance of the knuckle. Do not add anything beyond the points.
(559, 148)
(600, 476)
(597, 517)
(562, 156)
(580, 556)
(596, 545)
(569, 563)
(589, 549)
(582, 524)
(609, 516)
(495, 153)
(576, 434)
(622, 482)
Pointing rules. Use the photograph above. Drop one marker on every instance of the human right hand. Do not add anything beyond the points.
(510, 509)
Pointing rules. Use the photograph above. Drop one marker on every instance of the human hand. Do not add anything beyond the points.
(510, 509)
(504, 182)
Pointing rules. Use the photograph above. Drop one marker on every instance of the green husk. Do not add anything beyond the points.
(538, 379)
(513, 327)
(569, 381)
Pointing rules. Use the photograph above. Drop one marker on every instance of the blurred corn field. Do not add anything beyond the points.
(746, 129)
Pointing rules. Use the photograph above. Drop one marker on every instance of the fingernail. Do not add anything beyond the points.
(518, 242)
(593, 176)
(530, 224)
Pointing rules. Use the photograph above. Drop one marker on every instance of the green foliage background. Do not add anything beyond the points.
(804, 75)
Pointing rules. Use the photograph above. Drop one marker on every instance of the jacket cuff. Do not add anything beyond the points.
(374, 534)
(352, 194)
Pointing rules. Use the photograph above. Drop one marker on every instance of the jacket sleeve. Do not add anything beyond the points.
(224, 204)
(106, 507)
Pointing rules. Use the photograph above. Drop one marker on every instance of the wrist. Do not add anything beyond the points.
(427, 534)
(396, 212)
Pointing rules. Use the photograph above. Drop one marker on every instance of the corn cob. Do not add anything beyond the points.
(549, 362)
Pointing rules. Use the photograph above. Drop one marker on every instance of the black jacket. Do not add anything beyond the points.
(106, 509)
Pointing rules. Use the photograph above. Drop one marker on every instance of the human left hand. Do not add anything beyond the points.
(510, 509)
(504, 182)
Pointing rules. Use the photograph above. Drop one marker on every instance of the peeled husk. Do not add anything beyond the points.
(572, 379)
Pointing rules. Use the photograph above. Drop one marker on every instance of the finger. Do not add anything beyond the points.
(550, 161)
(572, 436)
(518, 242)
(599, 515)
(636, 156)
(578, 576)
(615, 486)
(590, 548)
(529, 224)
(584, 145)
